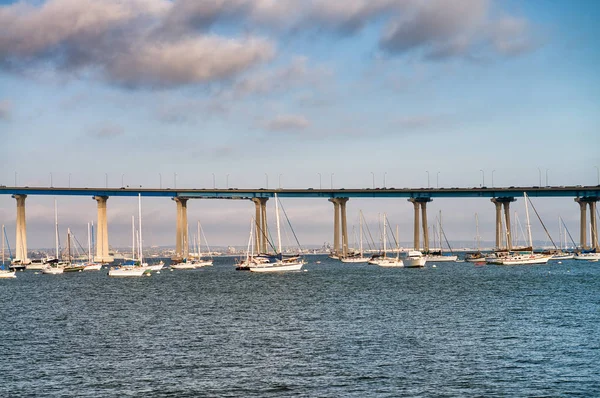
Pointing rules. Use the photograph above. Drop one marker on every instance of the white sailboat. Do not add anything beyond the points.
(54, 266)
(360, 258)
(202, 262)
(525, 258)
(383, 260)
(137, 268)
(282, 263)
(5, 273)
(91, 265)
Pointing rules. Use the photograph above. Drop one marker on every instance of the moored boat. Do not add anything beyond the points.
(414, 259)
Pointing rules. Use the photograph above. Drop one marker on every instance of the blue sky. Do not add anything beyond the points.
(139, 90)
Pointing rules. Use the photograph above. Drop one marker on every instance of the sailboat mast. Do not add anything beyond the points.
(528, 223)
(278, 230)
(56, 228)
(360, 227)
(397, 242)
(132, 237)
(140, 224)
(440, 231)
(384, 234)
(477, 230)
(89, 244)
(69, 243)
(2, 244)
(199, 241)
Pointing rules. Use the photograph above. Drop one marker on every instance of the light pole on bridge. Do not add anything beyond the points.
(280, 180)
(427, 171)
(160, 180)
(547, 177)
(266, 181)
(51, 185)
(597, 174)
(227, 181)
(332, 174)
(69, 180)
(214, 181)
(106, 179)
(384, 174)
(122, 180)
(373, 178)
(175, 180)
(437, 179)
(320, 185)
(493, 178)
(540, 177)
(482, 178)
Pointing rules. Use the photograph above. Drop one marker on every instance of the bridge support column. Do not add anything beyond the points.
(499, 202)
(260, 220)
(342, 202)
(336, 226)
(583, 203)
(422, 203)
(21, 231)
(102, 232)
(181, 233)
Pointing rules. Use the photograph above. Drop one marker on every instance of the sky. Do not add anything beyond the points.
(295, 94)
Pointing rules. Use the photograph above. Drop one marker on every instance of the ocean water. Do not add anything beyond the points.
(333, 330)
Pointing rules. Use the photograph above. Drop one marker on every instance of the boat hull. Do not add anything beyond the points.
(7, 274)
(354, 260)
(277, 267)
(53, 270)
(123, 272)
(525, 260)
(587, 256)
(439, 259)
(93, 267)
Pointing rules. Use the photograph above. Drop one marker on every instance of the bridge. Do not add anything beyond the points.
(585, 196)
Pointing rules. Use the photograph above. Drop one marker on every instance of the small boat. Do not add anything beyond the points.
(132, 268)
(91, 265)
(127, 270)
(381, 259)
(357, 257)
(54, 266)
(282, 264)
(414, 259)
(590, 256)
(4, 272)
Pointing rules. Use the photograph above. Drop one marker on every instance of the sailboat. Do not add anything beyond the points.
(91, 265)
(282, 263)
(4, 272)
(200, 262)
(384, 260)
(438, 256)
(54, 266)
(137, 268)
(478, 256)
(70, 266)
(359, 257)
(524, 258)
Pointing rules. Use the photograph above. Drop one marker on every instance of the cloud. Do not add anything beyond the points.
(5, 109)
(165, 44)
(121, 41)
(106, 131)
(443, 29)
(287, 123)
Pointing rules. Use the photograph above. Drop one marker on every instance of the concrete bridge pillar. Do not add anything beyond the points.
(21, 231)
(102, 232)
(583, 203)
(181, 233)
(336, 226)
(422, 203)
(260, 220)
(499, 202)
(594, 226)
(342, 202)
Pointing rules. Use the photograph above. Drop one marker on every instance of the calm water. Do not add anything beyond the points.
(335, 330)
